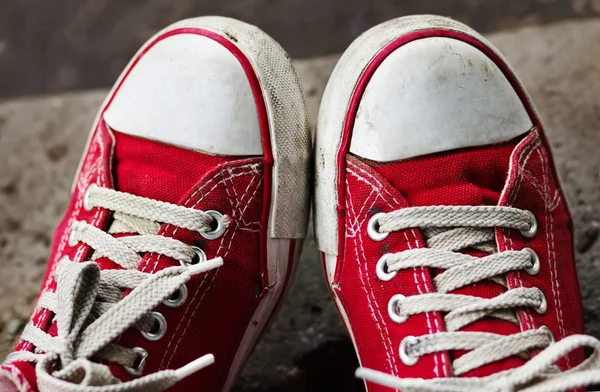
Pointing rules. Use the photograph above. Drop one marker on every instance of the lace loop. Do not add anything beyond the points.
(539, 374)
(455, 216)
(448, 230)
(148, 209)
(89, 306)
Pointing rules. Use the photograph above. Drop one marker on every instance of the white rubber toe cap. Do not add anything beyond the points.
(432, 95)
(190, 91)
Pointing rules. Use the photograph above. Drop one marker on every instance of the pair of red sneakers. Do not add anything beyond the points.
(445, 236)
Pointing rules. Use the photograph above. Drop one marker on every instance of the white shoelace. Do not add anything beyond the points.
(89, 306)
(447, 230)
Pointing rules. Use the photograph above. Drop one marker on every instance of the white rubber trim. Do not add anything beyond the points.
(278, 255)
(433, 95)
(292, 154)
(334, 106)
(287, 116)
(190, 91)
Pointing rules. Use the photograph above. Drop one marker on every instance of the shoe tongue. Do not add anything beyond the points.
(159, 171)
(470, 177)
(149, 169)
(155, 170)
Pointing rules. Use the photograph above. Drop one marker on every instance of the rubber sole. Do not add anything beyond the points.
(334, 126)
(287, 147)
(336, 118)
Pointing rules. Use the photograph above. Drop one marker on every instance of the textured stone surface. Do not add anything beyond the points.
(50, 46)
(306, 348)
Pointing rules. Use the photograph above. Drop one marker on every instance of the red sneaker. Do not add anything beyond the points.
(444, 233)
(187, 215)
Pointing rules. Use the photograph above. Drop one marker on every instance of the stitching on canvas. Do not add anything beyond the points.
(191, 316)
(524, 157)
(205, 291)
(363, 270)
(528, 318)
(551, 249)
(420, 283)
(181, 335)
(238, 209)
(427, 315)
(380, 186)
(83, 182)
(354, 227)
(229, 197)
(251, 196)
(550, 203)
(252, 168)
(218, 251)
(18, 377)
(242, 211)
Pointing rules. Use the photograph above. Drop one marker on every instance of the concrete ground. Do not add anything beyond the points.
(306, 348)
(59, 45)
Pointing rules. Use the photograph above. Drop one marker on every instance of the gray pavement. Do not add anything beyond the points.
(58, 45)
(306, 348)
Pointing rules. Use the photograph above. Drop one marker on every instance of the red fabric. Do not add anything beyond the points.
(515, 173)
(96, 168)
(229, 185)
(364, 296)
(533, 185)
(159, 171)
(469, 177)
(220, 302)
(478, 176)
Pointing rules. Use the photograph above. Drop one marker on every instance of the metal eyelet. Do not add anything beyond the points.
(373, 228)
(393, 306)
(198, 258)
(158, 330)
(138, 369)
(533, 226)
(72, 241)
(547, 330)
(219, 230)
(535, 268)
(86, 197)
(381, 269)
(405, 356)
(178, 297)
(543, 305)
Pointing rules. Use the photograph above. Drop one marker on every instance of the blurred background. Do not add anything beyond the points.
(49, 46)
(59, 57)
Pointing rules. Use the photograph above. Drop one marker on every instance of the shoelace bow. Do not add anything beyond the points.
(88, 304)
(448, 230)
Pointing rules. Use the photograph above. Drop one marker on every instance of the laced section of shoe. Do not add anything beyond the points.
(89, 305)
(448, 230)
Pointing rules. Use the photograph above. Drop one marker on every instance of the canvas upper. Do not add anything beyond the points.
(445, 236)
(176, 246)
